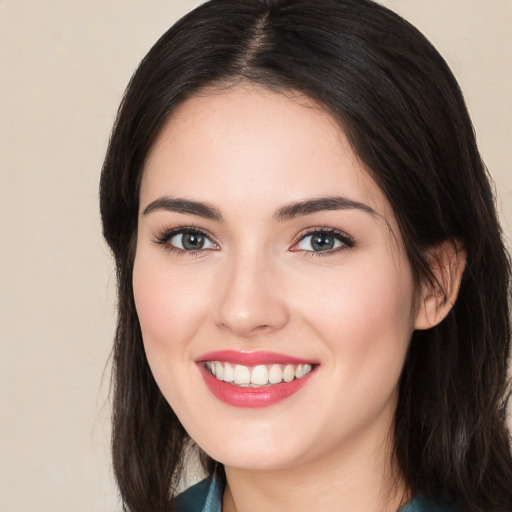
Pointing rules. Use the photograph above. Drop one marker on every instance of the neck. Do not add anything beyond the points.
(361, 478)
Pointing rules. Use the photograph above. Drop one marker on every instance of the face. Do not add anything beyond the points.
(267, 256)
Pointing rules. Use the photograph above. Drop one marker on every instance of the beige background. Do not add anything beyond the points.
(63, 67)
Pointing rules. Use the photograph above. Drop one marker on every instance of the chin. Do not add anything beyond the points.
(253, 450)
(256, 461)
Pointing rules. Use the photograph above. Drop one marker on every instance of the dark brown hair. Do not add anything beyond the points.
(405, 117)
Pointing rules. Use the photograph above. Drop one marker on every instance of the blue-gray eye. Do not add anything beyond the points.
(320, 241)
(191, 241)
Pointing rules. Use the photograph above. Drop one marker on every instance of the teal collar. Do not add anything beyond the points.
(206, 496)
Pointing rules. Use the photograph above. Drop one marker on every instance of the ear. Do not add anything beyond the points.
(447, 261)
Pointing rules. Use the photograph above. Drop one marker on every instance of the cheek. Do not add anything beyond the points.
(170, 312)
(165, 298)
(365, 314)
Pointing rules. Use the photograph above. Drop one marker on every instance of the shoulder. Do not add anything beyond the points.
(420, 504)
(205, 496)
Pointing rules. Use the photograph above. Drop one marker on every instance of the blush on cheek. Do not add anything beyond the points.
(168, 306)
(375, 315)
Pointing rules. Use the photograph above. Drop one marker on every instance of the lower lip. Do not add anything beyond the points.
(252, 397)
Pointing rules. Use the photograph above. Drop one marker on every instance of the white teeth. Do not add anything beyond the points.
(219, 370)
(289, 373)
(229, 373)
(259, 375)
(301, 370)
(275, 374)
(242, 374)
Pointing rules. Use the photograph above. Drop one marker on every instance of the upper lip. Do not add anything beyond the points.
(251, 358)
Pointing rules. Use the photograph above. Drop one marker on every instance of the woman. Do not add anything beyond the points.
(312, 283)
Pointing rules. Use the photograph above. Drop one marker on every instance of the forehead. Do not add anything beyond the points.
(248, 143)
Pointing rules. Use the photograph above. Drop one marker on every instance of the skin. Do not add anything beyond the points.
(257, 285)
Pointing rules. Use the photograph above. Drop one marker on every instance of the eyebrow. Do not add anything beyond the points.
(301, 208)
(205, 210)
(287, 212)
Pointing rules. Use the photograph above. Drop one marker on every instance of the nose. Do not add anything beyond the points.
(251, 302)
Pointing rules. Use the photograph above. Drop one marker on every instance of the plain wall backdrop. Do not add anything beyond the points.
(63, 67)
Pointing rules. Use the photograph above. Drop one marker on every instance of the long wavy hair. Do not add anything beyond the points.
(404, 114)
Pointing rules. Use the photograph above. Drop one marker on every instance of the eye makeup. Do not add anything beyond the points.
(323, 241)
(191, 240)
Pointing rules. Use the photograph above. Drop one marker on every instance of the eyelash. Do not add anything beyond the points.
(163, 239)
(346, 241)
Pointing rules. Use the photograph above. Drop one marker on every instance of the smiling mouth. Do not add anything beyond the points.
(256, 376)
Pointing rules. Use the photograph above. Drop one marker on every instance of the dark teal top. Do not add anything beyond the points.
(206, 496)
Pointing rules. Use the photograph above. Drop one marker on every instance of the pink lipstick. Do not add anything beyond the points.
(254, 379)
